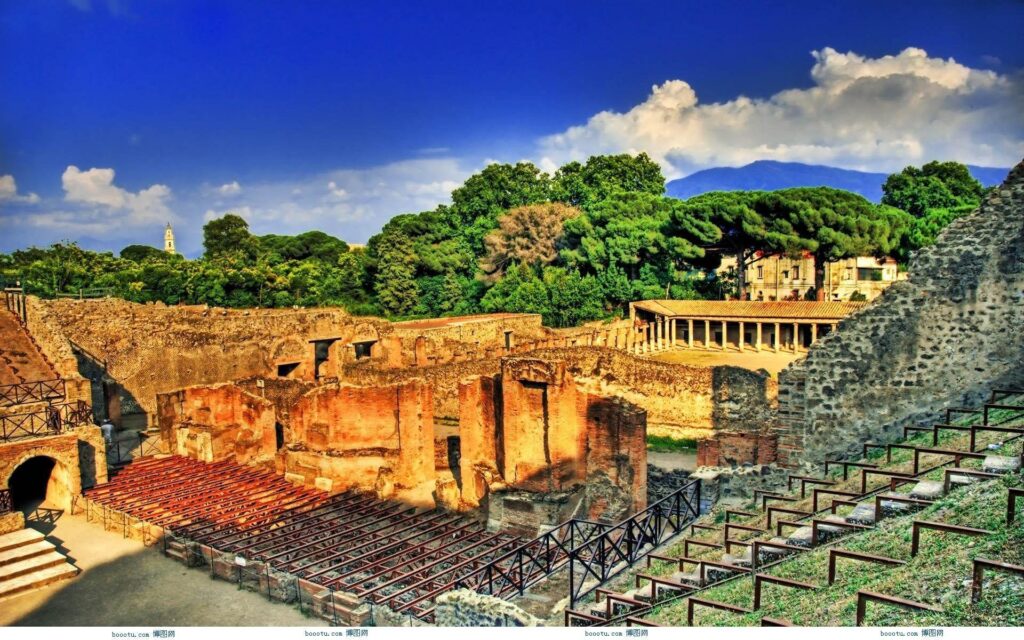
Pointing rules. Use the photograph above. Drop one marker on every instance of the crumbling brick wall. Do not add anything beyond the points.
(945, 337)
(220, 422)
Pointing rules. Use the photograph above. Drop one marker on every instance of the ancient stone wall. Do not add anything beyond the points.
(679, 399)
(380, 438)
(943, 338)
(220, 422)
(466, 608)
(150, 349)
(80, 459)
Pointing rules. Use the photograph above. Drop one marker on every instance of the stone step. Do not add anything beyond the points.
(30, 565)
(36, 579)
(927, 490)
(1000, 464)
(19, 538)
(863, 513)
(25, 551)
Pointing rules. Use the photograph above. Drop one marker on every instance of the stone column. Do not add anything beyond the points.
(741, 340)
(707, 334)
(758, 348)
(777, 336)
(796, 337)
(672, 334)
(814, 333)
(725, 334)
(689, 336)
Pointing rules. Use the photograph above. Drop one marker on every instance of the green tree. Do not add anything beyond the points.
(631, 229)
(936, 185)
(395, 281)
(142, 252)
(746, 234)
(830, 224)
(583, 185)
(228, 234)
(477, 204)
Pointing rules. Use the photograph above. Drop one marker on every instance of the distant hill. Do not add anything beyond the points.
(770, 175)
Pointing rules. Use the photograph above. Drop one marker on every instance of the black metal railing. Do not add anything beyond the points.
(124, 450)
(48, 421)
(6, 506)
(595, 549)
(530, 563)
(620, 546)
(38, 391)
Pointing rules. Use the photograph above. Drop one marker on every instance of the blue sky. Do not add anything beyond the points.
(118, 115)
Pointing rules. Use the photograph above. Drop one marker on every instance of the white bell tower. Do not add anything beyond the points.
(169, 239)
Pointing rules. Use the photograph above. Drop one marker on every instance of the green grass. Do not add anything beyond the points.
(936, 576)
(665, 444)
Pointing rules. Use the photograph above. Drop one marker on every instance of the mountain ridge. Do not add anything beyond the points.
(769, 175)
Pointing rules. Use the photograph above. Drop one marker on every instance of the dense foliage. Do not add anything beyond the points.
(574, 246)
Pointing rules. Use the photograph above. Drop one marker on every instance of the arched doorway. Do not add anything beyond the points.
(40, 481)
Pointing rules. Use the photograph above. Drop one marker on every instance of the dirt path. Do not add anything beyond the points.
(773, 362)
(124, 584)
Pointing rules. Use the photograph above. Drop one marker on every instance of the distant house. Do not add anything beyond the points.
(772, 277)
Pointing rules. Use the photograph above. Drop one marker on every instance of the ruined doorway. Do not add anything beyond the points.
(508, 340)
(321, 354)
(455, 459)
(279, 435)
(40, 484)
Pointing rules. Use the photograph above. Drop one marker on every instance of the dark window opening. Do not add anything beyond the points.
(279, 435)
(321, 354)
(870, 274)
(287, 369)
(363, 348)
(508, 339)
(29, 481)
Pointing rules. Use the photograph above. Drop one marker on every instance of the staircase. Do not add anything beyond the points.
(28, 561)
(20, 357)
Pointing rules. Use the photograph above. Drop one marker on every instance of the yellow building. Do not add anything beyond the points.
(774, 277)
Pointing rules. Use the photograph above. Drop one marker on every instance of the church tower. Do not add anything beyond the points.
(169, 239)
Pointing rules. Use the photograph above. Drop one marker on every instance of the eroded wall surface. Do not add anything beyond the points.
(943, 338)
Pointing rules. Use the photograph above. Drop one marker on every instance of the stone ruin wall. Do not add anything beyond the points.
(680, 400)
(528, 429)
(945, 337)
(154, 348)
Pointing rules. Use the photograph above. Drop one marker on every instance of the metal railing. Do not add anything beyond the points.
(598, 550)
(93, 292)
(37, 391)
(622, 545)
(49, 421)
(6, 506)
(123, 451)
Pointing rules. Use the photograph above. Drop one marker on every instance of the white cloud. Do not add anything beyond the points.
(230, 189)
(95, 188)
(862, 113)
(9, 192)
(350, 203)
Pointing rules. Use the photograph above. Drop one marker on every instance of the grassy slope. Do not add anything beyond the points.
(936, 576)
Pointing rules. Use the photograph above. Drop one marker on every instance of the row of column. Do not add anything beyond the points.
(665, 333)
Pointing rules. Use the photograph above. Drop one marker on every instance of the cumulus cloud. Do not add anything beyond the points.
(861, 113)
(9, 192)
(100, 201)
(230, 189)
(351, 203)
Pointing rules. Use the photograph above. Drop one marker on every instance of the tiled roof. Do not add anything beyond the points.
(800, 310)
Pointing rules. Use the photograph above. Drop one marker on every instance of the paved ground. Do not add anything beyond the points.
(773, 362)
(124, 584)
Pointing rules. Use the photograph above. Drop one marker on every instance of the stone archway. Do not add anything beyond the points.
(41, 480)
